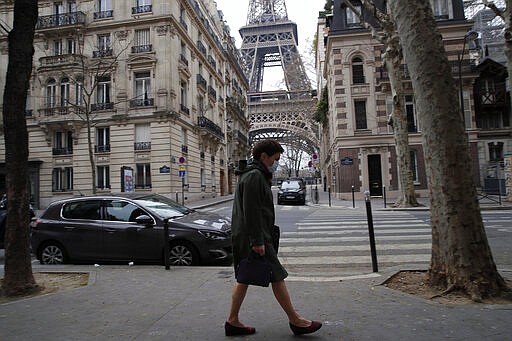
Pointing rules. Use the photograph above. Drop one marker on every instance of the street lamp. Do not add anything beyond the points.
(468, 37)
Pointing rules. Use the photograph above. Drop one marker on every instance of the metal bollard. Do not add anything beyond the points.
(371, 233)
(353, 198)
(384, 195)
(166, 244)
(329, 196)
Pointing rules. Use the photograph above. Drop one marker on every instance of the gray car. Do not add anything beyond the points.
(128, 227)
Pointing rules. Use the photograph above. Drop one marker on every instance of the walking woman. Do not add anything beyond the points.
(252, 225)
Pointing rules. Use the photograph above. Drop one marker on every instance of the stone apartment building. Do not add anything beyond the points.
(160, 83)
(358, 150)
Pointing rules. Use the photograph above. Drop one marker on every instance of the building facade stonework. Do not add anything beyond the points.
(153, 88)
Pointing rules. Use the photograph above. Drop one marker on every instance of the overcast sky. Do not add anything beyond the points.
(303, 12)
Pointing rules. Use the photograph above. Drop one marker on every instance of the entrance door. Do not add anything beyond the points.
(222, 183)
(375, 175)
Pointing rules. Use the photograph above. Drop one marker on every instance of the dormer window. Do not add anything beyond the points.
(442, 9)
(351, 17)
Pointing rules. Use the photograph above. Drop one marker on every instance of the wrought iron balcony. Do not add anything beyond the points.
(62, 151)
(184, 109)
(102, 53)
(52, 110)
(201, 82)
(201, 47)
(212, 61)
(142, 102)
(184, 24)
(102, 149)
(212, 93)
(210, 127)
(142, 146)
(183, 59)
(240, 137)
(142, 48)
(142, 9)
(104, 14)
(102, 106)
(60, 20)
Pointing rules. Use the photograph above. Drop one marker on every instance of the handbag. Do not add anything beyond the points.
(254, 270)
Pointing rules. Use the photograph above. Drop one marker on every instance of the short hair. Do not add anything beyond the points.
(270, 147)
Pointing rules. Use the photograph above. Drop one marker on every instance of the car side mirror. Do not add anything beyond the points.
(144, 220)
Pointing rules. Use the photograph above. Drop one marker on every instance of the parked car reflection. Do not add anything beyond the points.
(128, 227)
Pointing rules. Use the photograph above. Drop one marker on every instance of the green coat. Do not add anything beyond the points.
(253, 217)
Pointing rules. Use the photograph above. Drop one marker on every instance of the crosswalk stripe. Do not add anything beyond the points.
(311, 240)
(360, 222)
(347, 260)
(347, 231)
(340, 248)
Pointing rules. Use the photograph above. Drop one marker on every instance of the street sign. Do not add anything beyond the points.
(182, 173)
(181, 159)
(181, 168)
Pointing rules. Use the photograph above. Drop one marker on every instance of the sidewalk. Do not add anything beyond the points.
(149, 303)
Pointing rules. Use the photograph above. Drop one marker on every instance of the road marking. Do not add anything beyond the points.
(348, 231)
(348, 260)
(330, 279)
(349, 239)
(339, 248)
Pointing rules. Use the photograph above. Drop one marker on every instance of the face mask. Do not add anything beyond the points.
(274, 166)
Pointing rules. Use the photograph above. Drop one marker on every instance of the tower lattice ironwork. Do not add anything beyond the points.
(269, 39)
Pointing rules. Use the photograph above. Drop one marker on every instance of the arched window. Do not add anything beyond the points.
(357, 71)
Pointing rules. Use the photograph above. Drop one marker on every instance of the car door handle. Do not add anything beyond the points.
(110, 230)
(69, 228)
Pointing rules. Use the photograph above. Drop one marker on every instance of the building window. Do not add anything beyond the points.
(64, 92)
(103, 93)
(495, 151)
(142, 137)
(102, 140)
(414, 165)
(203, 180)
(62, 143)
(142, 89)
(104, 8)
(442, 9)
(57, 47)
(51, 93)
(104, 48)
(62, 179)
(142, 42)
(410, 109)
(142, 6)
(184, 140)
(357, 71)
(360, 110)
(79, 92)
(71, 46)
(351, 17)
(183, 97)
(143, 176)
(103, 177)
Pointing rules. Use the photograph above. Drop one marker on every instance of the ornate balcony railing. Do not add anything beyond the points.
(142, 9)
(237, 134)
(102, 53)
(212, 93)
(184, 24)
(142, 146)
(59, 20)
(210, 127)
(104, 14)
(102, 106)
(51, 111)
(60, 60)
(183, 59)
(102, 149)
(201, 82)
(142, 102)
(62, 151)
(201, 47)
(142, 48)
(212, 61)
(184, 109)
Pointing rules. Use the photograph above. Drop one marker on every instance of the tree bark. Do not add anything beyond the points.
(461, 257)
(18, 278)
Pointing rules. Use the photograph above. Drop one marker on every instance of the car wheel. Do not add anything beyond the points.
(52, 253)
(182, 254)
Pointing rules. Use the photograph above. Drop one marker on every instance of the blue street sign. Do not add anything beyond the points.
(181, 173)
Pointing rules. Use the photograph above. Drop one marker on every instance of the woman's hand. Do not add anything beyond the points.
(259, 249)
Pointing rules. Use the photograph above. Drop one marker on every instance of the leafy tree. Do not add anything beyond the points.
(18, 278)
(461, 256)
(322, 108)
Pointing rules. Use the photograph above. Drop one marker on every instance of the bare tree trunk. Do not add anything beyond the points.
(18, 277)
(393, 61)
(461, 257)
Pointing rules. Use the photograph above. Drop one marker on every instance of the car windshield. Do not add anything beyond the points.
(290, 185)
(163, 206)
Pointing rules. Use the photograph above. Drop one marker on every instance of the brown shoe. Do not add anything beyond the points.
(315, 325)
(235, 331)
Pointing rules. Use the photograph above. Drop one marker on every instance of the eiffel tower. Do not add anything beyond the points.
(269, 39)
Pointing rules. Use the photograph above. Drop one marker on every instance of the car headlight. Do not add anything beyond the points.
(212, 235)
